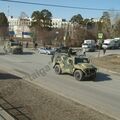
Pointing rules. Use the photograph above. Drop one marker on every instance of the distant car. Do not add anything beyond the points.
(48, 51)
(88, 47)
(62, 50)
(110, 44)
(41, 50)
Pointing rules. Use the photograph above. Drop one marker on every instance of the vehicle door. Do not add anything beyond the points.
(68, 65)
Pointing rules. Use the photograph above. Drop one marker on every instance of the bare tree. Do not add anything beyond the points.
(3, 26)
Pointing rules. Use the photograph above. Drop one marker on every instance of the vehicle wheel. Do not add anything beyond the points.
(12, 52)
(57, 69)
(21, 52)
(5, 51)
(78, 74)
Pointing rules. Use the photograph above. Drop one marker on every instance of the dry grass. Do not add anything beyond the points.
(111, 62)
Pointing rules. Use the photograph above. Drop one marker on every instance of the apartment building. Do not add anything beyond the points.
(19, 27)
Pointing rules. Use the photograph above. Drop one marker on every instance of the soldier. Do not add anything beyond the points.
(11, 40)
(84, 51)
(70, 52)
(27, 44)
(104, 51)
(36, 45)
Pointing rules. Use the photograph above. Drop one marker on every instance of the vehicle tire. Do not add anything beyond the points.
(12, 52)
(21, 52)
(5, 50)
(57, 69)
(78, 74)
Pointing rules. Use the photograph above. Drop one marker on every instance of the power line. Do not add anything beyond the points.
(60, 6)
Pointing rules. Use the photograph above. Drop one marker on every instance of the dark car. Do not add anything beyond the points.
(62, 50)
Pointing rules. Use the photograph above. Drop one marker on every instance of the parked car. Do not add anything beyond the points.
(48, 51)
(117, 41)
(110, 44)
(62, 50)
(88, 47)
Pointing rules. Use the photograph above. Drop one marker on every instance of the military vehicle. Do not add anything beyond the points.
(13, 47)
(79, 66)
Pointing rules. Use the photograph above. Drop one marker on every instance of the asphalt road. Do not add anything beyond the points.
(102, 95)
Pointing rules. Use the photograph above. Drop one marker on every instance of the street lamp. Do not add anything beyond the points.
(67, 33)
(99, 35)
(56, 37)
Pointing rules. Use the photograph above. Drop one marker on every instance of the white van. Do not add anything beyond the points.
(89, 45)
(110, 44)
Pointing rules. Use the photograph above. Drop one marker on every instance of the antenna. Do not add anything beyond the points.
(23, 15)
(8, 10)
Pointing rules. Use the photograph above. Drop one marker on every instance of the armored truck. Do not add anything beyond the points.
(13, 47)
(79, 66)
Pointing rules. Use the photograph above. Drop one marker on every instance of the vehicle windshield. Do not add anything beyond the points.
(105, 44)
(81, 60)
(15, 44)
(49, 48)
(85, 44)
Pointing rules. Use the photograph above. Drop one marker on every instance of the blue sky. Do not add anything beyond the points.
(15, 9)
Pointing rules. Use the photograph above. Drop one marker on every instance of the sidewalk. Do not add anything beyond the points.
(4, 115)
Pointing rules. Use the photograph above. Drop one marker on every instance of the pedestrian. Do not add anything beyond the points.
(70, 51)
(26, 44)
(11, 40)
(21, 44)
(84, 51)
(104, 51)
(36, 45)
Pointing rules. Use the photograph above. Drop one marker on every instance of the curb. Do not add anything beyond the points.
(4, 115)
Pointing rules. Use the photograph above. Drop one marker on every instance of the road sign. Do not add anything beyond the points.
(11, 33)
(100, 35)
(26, 33)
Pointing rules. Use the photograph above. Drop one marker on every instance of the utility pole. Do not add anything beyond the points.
(8, 10)
(67, 30)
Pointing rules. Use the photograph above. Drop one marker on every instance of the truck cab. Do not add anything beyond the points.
(89, 45)
(110, 44)
(13, 47)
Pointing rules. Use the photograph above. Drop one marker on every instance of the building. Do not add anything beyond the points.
(19, 27)
(59, 23)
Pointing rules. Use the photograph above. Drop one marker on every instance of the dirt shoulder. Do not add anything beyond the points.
(31, 102)
(109, 62)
